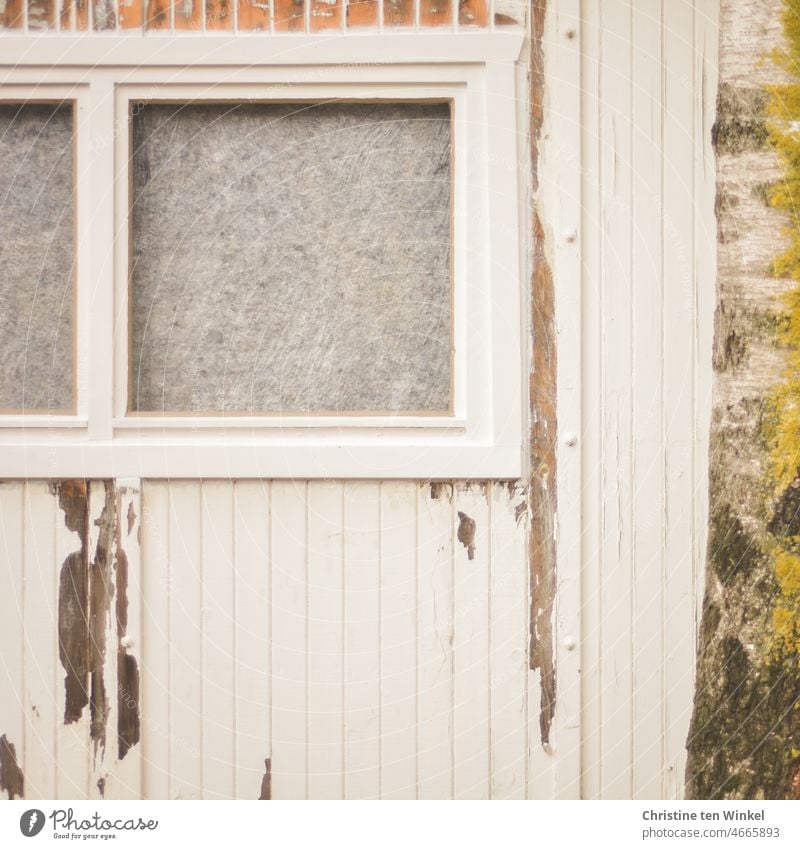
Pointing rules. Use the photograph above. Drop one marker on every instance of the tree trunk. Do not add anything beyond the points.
(744, 736)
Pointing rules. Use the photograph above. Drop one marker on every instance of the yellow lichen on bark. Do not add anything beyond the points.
(782, 420)
(786, 614)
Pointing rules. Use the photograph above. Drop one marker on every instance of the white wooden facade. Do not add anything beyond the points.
(369, 638)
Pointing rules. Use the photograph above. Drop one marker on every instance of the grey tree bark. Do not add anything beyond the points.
(745, 729)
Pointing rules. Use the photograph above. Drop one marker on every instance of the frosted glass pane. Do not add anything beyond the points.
(36, 257)
(291, 258)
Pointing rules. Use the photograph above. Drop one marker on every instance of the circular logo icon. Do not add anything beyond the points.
(31, 822)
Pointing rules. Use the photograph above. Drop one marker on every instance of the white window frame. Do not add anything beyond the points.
(475, 72)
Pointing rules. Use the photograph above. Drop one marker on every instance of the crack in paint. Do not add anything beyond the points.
(101, 594)
(541, 489)
(12, 781)
(128, 722)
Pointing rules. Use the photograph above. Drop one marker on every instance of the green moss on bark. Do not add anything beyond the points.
(740, 124)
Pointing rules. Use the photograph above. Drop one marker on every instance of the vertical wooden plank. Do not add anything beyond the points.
(43, 673)
(326, 14)
(219, 14)
(217, 612)
(398, 640)
(679, 435)
(289, 560)
(103, 522)
(289, 16)
(73, 556)
(398, 13)
(125, 780)
(103, 526)
(543, 495)
(12, 657)
(362, 640)
(252, 624)
(157, 14)
(13, 15)
(471, 642)
(435, 654)
(325, 641)
(186, 15)
(706, 76)
(568, 211)
(185, 641)
(155, 653)
(252, 15)
(648, 505)
(362, 13)
(473, 13)
(509, 633)
(616, 321)
(131, 14)
(581, 313)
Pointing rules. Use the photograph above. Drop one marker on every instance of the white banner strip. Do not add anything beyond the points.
(402, 824)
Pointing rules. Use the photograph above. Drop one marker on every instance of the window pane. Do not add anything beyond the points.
(291, 258)
(36, 257)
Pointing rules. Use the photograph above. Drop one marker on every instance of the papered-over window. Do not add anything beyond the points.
(36, 257)
(251, 263)
(291, 258)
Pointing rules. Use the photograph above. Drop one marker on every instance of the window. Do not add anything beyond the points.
(305, 265)
(290, 258)
(36, 257)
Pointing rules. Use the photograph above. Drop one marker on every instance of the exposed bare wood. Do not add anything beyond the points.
(12, 781)
(542, 482)
(266, 782)
(466, 533)
(128, 698)
(73, 602)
